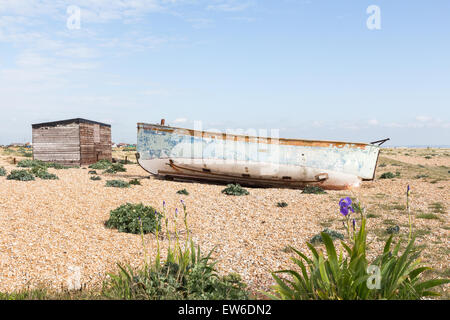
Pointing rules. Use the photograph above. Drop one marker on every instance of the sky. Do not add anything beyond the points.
(309, 69)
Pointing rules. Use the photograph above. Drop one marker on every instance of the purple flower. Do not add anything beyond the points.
(176, 212)
(164, 203)
(408, 191)
(346, 205)
(354, 224)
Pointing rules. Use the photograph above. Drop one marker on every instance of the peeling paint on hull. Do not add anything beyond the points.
(209, 156)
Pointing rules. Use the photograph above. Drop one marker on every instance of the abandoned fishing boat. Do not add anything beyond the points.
(250, 160)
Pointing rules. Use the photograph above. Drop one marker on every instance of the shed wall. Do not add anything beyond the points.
(60, 144)
(95, 143)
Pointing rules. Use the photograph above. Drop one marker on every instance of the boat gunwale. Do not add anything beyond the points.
(141, 125)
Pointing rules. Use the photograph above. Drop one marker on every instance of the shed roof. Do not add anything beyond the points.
(63, 122)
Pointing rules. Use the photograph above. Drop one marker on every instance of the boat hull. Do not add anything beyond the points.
(210, 156)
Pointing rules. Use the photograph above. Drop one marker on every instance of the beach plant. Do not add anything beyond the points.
(21, 175)
(28, 163)
(391, 275)
(115, 167)
(235, 190)
(333, 235)
(387, 175)
(117, 184)
(47, 176)
(135, 182)
(282, 204)
(95, 178)
(393, 229)
(101, 164)
(313, 190)
(186, 273)
(2, 172)
(131, 218)
(183, 191)
(92, 172)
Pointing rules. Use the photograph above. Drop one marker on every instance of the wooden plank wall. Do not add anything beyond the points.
(95, 143)
(59, 144)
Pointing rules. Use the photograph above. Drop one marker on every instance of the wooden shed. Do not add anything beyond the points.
(72, 142)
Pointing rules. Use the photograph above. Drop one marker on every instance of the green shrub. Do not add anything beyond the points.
(117, 184)
(183, 191)
(47, 176)
(282, 204)
(95, 178)
(332, 277)
(2, 172)
(128, 218)
(92, 172)
(28, 163)
(333, 234)
(101, 165)
(115, 167)
(21, 175)
(313, 190)
(387, 175)
(135, 182)
(235, 190)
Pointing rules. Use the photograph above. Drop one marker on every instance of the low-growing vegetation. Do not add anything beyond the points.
(117, 184)
(134, 218)
(115, 167)
(282, 204)
(235, 190)
(21, 175)
(2, 172)
(101, 165)
(313, 190)
(135, 182)
(183, 192)
(333, 235)
(95, 178)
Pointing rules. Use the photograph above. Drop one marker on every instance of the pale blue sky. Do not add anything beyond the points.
(311, 69)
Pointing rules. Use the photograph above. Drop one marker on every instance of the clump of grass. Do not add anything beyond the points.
(20, 175)
(183, 191)
(2, 172)
(420, 176)
(117, 184)
(373, 215)
(130, 218)
(92, 172)
(235, 190)
(115, 167)
(282, 204)
(427, 157)
(313, 190)
(101, 165)
(429, 216)
(382, 165)
(437, 207)
(387, 175)
(95, 178)
(333, 234)
(135, 182)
